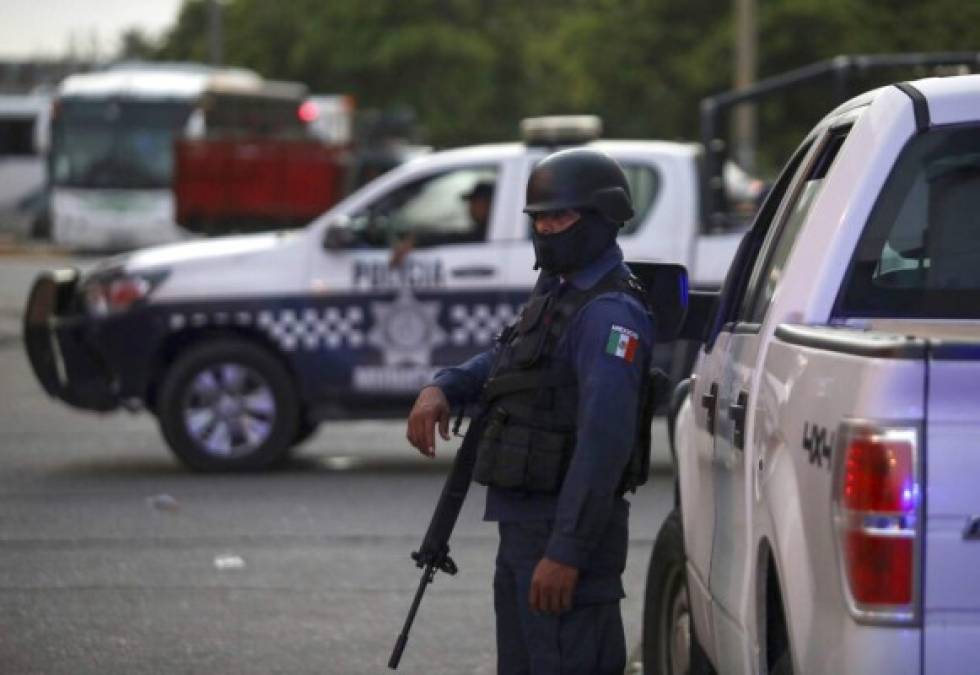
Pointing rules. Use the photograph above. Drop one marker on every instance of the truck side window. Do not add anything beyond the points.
(919, 254)
(445, 208)
(779, 241)
(734, 288)
(645, 187)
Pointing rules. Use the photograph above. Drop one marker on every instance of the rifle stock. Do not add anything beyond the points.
(433, 554)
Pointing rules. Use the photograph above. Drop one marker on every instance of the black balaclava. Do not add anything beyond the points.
(577, 246)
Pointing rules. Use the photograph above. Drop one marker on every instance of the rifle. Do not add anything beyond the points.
(433, 554)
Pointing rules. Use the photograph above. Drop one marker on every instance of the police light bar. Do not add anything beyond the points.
(560, 129)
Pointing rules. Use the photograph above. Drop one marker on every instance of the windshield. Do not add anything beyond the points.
(115, 143)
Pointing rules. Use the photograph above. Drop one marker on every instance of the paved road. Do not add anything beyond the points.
(113, 559)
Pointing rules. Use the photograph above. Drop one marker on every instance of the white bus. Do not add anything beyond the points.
(110, 167)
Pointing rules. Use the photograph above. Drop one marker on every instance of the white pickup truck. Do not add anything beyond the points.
(241, 345)
(827, 446)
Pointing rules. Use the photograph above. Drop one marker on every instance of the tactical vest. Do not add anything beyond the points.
(531, 398)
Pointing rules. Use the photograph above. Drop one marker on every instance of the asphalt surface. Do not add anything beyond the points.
(115, 560)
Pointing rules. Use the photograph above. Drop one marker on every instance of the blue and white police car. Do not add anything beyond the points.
(241, 345)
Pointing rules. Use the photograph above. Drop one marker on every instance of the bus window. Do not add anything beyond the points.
(115, 144)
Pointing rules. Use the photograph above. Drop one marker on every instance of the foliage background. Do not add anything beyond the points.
(471, 69)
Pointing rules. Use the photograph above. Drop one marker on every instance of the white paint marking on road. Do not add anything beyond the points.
(340, 463)
(229, 561)
(163, 503)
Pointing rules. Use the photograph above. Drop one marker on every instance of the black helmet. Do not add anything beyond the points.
(580, 178)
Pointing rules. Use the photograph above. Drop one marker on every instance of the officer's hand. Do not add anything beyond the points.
(400, 250)
(552, 587)
(431, 408)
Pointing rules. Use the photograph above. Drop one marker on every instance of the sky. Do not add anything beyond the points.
(46, 28)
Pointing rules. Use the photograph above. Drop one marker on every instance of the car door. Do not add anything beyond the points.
(410, 284)
(696, 453)
(739, 349)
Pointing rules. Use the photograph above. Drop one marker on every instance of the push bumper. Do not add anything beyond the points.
(55, 330)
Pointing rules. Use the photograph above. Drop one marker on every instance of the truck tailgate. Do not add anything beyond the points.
(952, 545)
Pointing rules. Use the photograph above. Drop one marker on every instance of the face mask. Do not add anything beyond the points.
(577, 246)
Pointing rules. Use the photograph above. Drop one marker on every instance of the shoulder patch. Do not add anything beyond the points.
(622, 342)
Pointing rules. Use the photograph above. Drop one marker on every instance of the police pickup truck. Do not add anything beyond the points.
(241, 345)
(827, 446)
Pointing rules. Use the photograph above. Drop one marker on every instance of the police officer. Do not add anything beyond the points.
(562, 396)
(478, 200)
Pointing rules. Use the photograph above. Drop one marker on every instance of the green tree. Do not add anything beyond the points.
(471, 69)
(135, 45)
(187, 40)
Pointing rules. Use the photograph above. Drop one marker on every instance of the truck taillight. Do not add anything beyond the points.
(877, 515)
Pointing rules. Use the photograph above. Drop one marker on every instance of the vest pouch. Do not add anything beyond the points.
(510, 465)
(532, 313)
(530, 339)
(518, 457)
(638, 470)
(547, 460)
(498, 462)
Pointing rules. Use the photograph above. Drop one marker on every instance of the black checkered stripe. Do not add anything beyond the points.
(333, 327)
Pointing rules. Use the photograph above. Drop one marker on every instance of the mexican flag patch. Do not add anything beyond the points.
(622, 343)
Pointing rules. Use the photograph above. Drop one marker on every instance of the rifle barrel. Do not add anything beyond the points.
(396, 653)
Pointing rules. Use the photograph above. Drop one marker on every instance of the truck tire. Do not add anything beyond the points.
(670, 646)
(228, 405)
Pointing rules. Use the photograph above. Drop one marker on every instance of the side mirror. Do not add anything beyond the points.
(667, 291)
(338, 234)
(681, 314)
(701, 309)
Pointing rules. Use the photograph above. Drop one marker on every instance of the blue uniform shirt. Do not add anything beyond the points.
(608, 386)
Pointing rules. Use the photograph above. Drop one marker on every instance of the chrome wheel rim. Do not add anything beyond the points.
(229, 410)
(676, 647)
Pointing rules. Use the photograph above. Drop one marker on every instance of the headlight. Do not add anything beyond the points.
(105, 295)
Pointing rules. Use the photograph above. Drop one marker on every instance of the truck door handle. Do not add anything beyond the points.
(736, 413)
(474, 271)
(709, 402)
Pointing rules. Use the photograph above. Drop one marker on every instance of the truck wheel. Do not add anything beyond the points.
(670, 646)
(228, 405)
